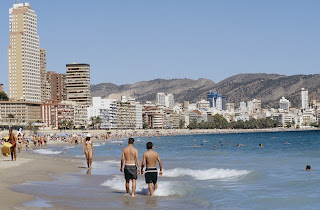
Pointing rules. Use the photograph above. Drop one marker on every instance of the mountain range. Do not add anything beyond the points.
(269, 88)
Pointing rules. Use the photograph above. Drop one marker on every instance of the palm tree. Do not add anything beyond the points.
(70, 124)
(63, 124)
(98, 120)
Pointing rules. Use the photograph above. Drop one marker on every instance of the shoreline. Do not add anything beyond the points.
(115, 134)
(30, 167)
(37, 167)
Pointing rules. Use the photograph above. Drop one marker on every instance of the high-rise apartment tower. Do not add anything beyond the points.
(24, 54)
(78, 83)
(304, 99)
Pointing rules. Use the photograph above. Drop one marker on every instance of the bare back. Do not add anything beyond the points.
(130, 155)
(150, 159)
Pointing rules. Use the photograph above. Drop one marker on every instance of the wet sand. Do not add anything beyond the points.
(30, 167)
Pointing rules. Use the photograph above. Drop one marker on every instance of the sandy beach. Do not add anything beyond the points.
(29, 167)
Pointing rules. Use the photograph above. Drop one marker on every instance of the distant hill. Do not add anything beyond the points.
(242, 87)
(183, 89)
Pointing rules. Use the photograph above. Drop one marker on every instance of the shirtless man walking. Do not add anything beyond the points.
(150, 159)
(131, 160)
(13, 141)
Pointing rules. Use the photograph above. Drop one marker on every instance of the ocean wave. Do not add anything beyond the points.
(79, 156)
(68, 147)
(212, 173)
(116, 142)
(96, 144)
(165, 188)
(112, 161)
(47, 152)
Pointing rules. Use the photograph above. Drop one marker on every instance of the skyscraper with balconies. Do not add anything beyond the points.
(78, 83)
(24, 54)
(78, 90)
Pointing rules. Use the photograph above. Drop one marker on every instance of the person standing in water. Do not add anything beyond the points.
(88, 150)
(130, 160)
(13, 148)
(150, 159)
(19, 142)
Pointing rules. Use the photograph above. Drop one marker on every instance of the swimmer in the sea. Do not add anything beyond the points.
(308, 168)
(260, 145)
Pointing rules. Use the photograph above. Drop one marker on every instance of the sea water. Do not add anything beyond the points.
(195, 175)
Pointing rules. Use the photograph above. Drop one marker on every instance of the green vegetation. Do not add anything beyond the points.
(31, 126)
(3, 96)
(95, 121)
(66, 124)
(10, 116)
(219, 122)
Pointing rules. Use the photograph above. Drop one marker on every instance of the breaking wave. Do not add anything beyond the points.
(212, 173)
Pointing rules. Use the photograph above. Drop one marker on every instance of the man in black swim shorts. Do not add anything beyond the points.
(150, 159)
(131, 160)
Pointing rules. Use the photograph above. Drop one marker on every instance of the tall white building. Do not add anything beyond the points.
(304, 99)
(165, 99)
(24, 54)
(243, 106)
(161, 98)
(284, 104)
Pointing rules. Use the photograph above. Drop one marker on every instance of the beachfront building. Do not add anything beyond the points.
(254, 106)
(216, 100)
(106, 109)
(24, 54)
(78, 90)
(165, 100)
(139, 121)
(284, 104)
(203, 104)
(286, 119)
(153, 117)
(304, 99)
(56, 114)
(194, 116)
(43, 75)
(57, 86)
(230, 107)
(243, 107)
(19, 113)
(126, 115)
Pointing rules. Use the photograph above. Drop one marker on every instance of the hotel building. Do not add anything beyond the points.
(24, 54)
(78, 90)
(57, 86)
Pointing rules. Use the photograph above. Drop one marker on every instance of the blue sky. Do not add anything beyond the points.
(138, 40)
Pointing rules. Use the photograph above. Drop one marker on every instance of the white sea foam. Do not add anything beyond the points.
(212, 173)
(116, 142)
(113, 162)
(80, 156)
(47, 152)
(96, 144)
(68, 147)
(165, 188)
